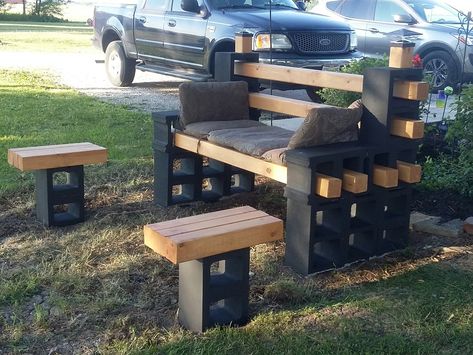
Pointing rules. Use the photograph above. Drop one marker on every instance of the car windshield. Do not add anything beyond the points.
(255, 4)
(434, 11)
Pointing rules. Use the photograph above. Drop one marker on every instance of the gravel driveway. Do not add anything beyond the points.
(150, 92)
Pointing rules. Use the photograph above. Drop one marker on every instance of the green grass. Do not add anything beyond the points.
(51, 37)
(94, 288)
(37, 112)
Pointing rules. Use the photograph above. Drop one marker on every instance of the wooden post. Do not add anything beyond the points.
(407, 128)
(385, 176)
(410, 173)
(243, 42)
(328, 186)
(401, 53)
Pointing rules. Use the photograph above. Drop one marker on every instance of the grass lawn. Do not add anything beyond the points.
(94, 287)
(51, 37)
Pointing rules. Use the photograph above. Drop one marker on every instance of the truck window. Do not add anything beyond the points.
(332, 5)
(156, 4)
(357, 9)
(176, 5)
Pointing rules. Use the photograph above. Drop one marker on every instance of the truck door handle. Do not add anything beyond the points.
(142, 19)
(172, 23)
(373, 30)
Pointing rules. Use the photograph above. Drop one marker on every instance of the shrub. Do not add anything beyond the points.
(29, 18)
(345, 98)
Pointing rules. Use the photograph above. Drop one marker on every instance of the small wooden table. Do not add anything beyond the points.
(195, 243)
(48, 160)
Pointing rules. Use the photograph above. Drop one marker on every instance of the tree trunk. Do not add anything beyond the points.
(24, 7)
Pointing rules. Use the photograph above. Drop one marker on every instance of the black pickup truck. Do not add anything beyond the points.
(181, 37)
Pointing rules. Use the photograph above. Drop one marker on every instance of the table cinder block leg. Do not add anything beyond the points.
(70, 195)
(210, 298)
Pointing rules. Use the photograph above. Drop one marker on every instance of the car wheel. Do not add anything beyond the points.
(120, 69)
(440, 70)
(312, 92)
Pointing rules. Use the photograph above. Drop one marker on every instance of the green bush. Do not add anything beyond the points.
(29, 18)
(345, 98)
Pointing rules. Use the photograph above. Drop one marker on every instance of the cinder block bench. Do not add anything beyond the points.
(209, 298)
(48, 160)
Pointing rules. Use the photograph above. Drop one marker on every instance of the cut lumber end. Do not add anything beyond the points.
(354, 181)
(243, 42)
(410, 173)
(385, 176)
(400, 57)
(411, 90)
(159, 244)
(328, 186)
(407, 128)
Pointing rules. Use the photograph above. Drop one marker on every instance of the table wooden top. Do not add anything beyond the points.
(212, 233)
(56, 156)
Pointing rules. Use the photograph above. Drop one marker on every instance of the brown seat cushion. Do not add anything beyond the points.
(213, 101)
(253, 140)
(202, 129)
(324, 125)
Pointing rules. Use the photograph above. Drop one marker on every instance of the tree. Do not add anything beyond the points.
(51, 8)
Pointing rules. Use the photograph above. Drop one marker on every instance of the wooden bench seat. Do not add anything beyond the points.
(56, 156)
(206, 297)
(45, 161)
(212, 233)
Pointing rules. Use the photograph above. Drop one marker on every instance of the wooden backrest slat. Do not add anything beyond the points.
(302, 76)
(293, 107)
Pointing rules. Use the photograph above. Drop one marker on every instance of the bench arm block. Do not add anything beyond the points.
(164, 122)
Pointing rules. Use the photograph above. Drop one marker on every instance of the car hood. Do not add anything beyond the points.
(284, 20)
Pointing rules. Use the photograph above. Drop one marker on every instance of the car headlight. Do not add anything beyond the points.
(462, 38)
(279, 41)
(353, 40)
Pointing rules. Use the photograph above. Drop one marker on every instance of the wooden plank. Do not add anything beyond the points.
(281, 104)
(410, 173)
(328, 186)
(243, 42)
(178, 229)
(411, 90)
(232, 157)
(407, 128)
(401, 57)
(55, 156)
(202, 217)
(302, 76)
(217, 240)
(354, 181)
(384, 176)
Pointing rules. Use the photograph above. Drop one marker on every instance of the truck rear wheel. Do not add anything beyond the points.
(120, 69)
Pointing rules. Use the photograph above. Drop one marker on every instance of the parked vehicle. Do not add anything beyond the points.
(181, 37)
(437, 29)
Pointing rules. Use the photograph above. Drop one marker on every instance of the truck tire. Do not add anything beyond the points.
(313, 95)
(441, 69)
(120, 69)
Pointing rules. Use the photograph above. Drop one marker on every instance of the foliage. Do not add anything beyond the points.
(29, 18)
(345, 98)
(3, 6)
(454, 171)
(51, 8)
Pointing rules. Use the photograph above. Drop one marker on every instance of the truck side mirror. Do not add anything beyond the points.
(404, 18)
(190, 6)
(301, 5)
